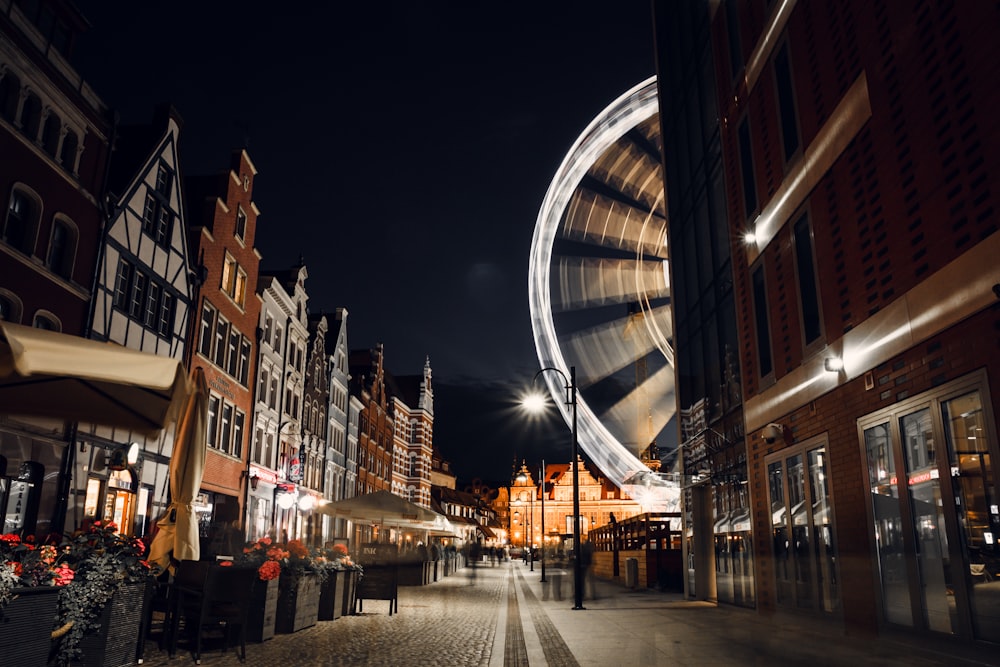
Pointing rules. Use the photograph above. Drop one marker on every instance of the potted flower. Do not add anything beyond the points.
(266, 557)
(100, 611)
(336, 591)
(299, 586)
(30, 577)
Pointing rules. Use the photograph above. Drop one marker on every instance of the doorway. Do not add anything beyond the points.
(935, 511)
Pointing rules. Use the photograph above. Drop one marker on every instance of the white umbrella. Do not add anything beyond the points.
(177, 538)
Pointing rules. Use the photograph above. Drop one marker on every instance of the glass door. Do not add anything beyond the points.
(935, 511)
(805, 555)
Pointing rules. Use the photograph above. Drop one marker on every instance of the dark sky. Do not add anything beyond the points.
(403, 149)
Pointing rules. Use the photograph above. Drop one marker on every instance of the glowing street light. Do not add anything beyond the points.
(537, 402)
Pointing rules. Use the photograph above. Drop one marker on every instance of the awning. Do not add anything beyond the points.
(55, 375)
(487, 531)
(386, 509)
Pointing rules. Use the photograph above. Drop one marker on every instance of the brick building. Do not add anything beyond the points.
(833, 166)
(55, 135)
(222, 230)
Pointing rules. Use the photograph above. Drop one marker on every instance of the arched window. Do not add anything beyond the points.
(10, 92)
(67, 157)
(21, 224)
(31, 116)
(10, 307)
(46, 320)
(50, 134)
(62, 247)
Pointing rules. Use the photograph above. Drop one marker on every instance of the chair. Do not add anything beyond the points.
(223, 598)
(979, 570)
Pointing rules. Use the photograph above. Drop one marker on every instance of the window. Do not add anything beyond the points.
(241, 223)
(746, 169)
(239, 421)
(151, 316)
(806, 270)
(207, 330)
(47, 321)
(138, 296)
(761, 323)
(213, 421)
(272, 398)
(225, 434)
(232, 354)
(163, 180)
(268, 322)
(50, 134)
(221, 341)
(244, 365)
(62, 248)
(10, 92)
(31, 116)
(733, 33)
(264, 381)
(786, 102)
(234, 280)
(123, 284)
(10, 307)
(168, 308)
(67, 156)
(277, 338)
(21, 226)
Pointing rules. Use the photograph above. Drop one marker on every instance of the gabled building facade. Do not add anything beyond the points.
(375, 428)
(336, 482)
(413, 437)
(143, 297)
(315, 430)
(222, 232)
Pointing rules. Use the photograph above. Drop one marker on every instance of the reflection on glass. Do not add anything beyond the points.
(976, 506)
(928, 521)
(828, 584)
(801, 551)
(888, 526)
(783, 566)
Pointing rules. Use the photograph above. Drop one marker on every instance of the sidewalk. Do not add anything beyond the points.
(496, 616)
(647, 627)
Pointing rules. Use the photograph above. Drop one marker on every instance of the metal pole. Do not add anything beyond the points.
(577, 565)
(531, 535)
(541, 476)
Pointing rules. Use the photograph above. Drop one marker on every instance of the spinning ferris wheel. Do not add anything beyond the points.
(599, 294)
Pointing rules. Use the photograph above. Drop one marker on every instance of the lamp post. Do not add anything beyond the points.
(569, 385)
(541, 476)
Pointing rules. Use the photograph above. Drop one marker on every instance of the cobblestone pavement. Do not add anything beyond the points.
(450, 622)
(505, 617)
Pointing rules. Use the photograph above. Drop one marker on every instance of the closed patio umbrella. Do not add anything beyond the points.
(177, 538)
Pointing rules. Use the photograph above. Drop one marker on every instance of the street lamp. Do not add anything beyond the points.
(536, 403)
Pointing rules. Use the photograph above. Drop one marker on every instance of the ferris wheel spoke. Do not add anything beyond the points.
(587, 282)
(643, 412)
(605, 222)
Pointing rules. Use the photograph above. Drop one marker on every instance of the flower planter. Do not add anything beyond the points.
(263, 610)
(350, 591)
(115, 642)
(26, 626)
(298, 602)
(331, 596)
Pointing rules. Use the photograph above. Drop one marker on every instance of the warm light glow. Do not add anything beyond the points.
(306, 503)
(285, 500)
(535, 403)
(750, 238)
(834, 364)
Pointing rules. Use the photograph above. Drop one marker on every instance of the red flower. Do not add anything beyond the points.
(269, 570)
(225, 563)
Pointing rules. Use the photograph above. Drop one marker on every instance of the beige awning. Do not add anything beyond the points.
(55, 375)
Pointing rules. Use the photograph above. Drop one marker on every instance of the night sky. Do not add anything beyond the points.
(403, 150)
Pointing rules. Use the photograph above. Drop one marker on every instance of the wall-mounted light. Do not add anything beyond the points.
(133, 453)
(254, 481)
(749, 237)
(306, 503)
(285, 500)
(833, 364)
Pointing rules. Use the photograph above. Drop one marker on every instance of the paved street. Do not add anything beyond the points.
(502, 619)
